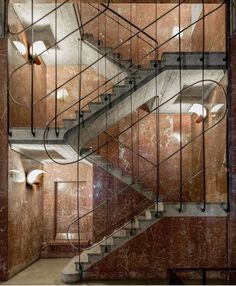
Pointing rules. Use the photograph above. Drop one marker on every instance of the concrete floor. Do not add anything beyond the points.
(48, 272)
(42, 272)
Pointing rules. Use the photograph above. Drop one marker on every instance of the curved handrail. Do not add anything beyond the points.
(45, 135)
(164, 160)
(204, 131)
(107, 201)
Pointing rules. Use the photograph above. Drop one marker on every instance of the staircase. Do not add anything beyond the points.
(77, 268)
(140, 86)
(131, 83)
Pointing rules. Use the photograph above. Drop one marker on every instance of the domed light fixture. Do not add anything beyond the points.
(33, 51)
(215, 109)
(20, 47)
(200, 110)
(38, 48)
(34, 177)
(176, 30)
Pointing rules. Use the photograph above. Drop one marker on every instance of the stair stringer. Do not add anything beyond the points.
(89, 257)
(96, 123)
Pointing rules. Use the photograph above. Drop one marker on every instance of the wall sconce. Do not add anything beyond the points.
(32, 52)
(200, 110)
(176, 136)
(62, 93)
(215, 109)
(176, 30)
(34, 177)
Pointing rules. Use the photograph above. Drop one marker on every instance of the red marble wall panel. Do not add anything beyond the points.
(3, 163)
(170, 243)
(90, 81)
(214, 38)
(67, 175)
(122, 204)
(25, 222)
(141, 165)
(232, 152)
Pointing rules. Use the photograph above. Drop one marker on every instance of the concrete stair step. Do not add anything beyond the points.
(85, 266)
(106, 98)
(117, 172)
(84, 114)
(95, 106)
(107, 248)
(126, 179)
(93, 257)
(69, 123)
(120, 240)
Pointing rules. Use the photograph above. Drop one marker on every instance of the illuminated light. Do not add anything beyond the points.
(176, 30)
(20, 47)
(198, 109)
(216, 108)
(34, 176)
(177, 136)
(38, 48)
(62, 93)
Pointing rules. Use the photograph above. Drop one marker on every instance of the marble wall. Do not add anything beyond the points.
(141, 165)
(140, 49)
(21, 72)
(60, 209)
(3, 163)
(89, 81)
(215, 30)
(172, 242)
(232, 152)
(25, 221)
(115, 203)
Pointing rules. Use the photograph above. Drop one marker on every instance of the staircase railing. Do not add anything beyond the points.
(33, 103)
(31, 61)
(161, 162)
(127, 69)
(130, 23)
(183, 146)
(83, 70)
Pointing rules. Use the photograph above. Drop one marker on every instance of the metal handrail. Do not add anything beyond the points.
(183, 146)
(121, 24)
(110, 52)
(127, 147)
(167, 158)
(47, 49)
(132, 24)
(165, 42)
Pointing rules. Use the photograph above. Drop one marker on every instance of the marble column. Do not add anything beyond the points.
(3, 152)
(232, 152)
